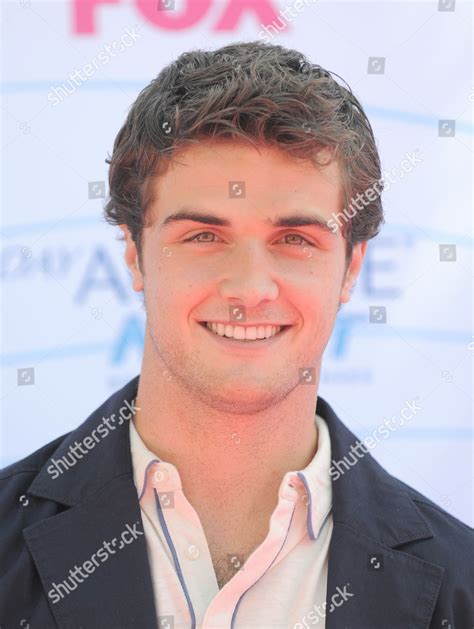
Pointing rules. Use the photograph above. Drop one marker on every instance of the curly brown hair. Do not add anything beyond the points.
(265, 94)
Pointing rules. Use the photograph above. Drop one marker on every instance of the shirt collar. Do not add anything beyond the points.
(312, 484)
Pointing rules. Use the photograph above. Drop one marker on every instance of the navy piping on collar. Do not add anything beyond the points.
(309, 512)
(274, 559)
(146, 476)
(176, 561)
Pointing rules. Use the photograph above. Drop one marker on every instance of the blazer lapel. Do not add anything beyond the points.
(377, 586)
(376, 582)
(92, 557)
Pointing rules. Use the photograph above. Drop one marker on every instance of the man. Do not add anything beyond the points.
(202, 494)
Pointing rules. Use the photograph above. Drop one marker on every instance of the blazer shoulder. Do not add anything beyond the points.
(30, 464)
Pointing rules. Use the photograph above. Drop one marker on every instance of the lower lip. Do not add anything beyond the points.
(246, 345)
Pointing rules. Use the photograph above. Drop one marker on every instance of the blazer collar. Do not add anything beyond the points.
(109, 458)
(366, 496)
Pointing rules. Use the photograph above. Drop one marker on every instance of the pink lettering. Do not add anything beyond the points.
(165, 16)
(171, 19)
(83, 15)
(266, 13)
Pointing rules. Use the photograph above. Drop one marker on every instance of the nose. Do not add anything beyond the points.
(248, 276)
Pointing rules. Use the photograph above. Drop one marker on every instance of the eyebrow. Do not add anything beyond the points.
(290, 220)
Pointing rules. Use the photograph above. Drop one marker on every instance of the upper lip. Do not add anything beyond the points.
(247, 325)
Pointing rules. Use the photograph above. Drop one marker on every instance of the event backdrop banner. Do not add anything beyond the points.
(73, 329)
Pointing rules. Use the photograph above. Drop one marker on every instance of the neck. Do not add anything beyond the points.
(226, 459)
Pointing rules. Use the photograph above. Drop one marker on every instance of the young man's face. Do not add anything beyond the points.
(276, 275)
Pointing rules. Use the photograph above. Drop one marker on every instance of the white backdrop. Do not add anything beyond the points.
(71, 322)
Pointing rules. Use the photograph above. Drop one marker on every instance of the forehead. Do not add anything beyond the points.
(231, 176)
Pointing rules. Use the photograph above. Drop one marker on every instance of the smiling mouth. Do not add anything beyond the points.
(281, 329)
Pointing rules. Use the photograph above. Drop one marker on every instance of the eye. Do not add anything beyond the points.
(194, 238)
(298, 236)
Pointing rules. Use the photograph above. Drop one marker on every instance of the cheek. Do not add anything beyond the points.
(323, 281)
(318, 300)
(171, 291)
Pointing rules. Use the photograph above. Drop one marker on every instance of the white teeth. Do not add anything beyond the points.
(241, 333)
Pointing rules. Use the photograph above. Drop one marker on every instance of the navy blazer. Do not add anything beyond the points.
(408, 563)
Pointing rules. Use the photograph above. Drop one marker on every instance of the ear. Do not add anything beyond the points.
(131, 259)
(353, 270)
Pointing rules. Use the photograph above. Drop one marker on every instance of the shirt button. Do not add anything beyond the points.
(192, 552)
(159, 476)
